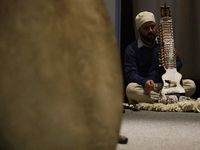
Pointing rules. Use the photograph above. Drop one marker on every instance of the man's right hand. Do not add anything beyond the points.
(149, 86)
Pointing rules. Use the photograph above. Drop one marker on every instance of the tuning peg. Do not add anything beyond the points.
(160, 52)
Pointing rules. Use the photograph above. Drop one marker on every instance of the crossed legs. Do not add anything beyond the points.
(136, 93)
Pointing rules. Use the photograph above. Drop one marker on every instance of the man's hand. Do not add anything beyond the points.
(149, 86)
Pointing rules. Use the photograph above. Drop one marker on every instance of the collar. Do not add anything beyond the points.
(140, 43)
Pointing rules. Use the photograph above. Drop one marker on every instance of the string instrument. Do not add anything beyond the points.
(167, 57)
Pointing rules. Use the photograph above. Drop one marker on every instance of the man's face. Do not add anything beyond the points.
(148, 31)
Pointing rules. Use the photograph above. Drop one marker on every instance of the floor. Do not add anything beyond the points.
(150, 130)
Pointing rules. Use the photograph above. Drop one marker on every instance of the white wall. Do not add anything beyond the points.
(114, 8)
(110, 4)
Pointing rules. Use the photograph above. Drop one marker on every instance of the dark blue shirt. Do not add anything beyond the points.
(141, 64)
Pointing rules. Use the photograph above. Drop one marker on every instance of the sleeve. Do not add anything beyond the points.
(178, 63)
(131, 67)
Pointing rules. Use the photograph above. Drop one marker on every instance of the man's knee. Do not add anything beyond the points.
(134, 89)
(136, 94)
(189, 86)
(131, 92)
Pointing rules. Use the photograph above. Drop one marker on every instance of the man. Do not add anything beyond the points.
(141, 64)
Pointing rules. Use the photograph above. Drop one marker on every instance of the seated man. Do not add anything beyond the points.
(142, 70)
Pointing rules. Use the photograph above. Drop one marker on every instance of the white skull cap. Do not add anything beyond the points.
(143, 17)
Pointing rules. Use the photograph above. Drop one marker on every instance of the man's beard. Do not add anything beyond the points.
(149, 38)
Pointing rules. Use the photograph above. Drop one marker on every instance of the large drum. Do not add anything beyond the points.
(60, 76)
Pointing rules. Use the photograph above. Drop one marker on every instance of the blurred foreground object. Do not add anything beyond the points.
(60, 76)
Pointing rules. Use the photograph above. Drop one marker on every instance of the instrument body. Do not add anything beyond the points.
(171, 78)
